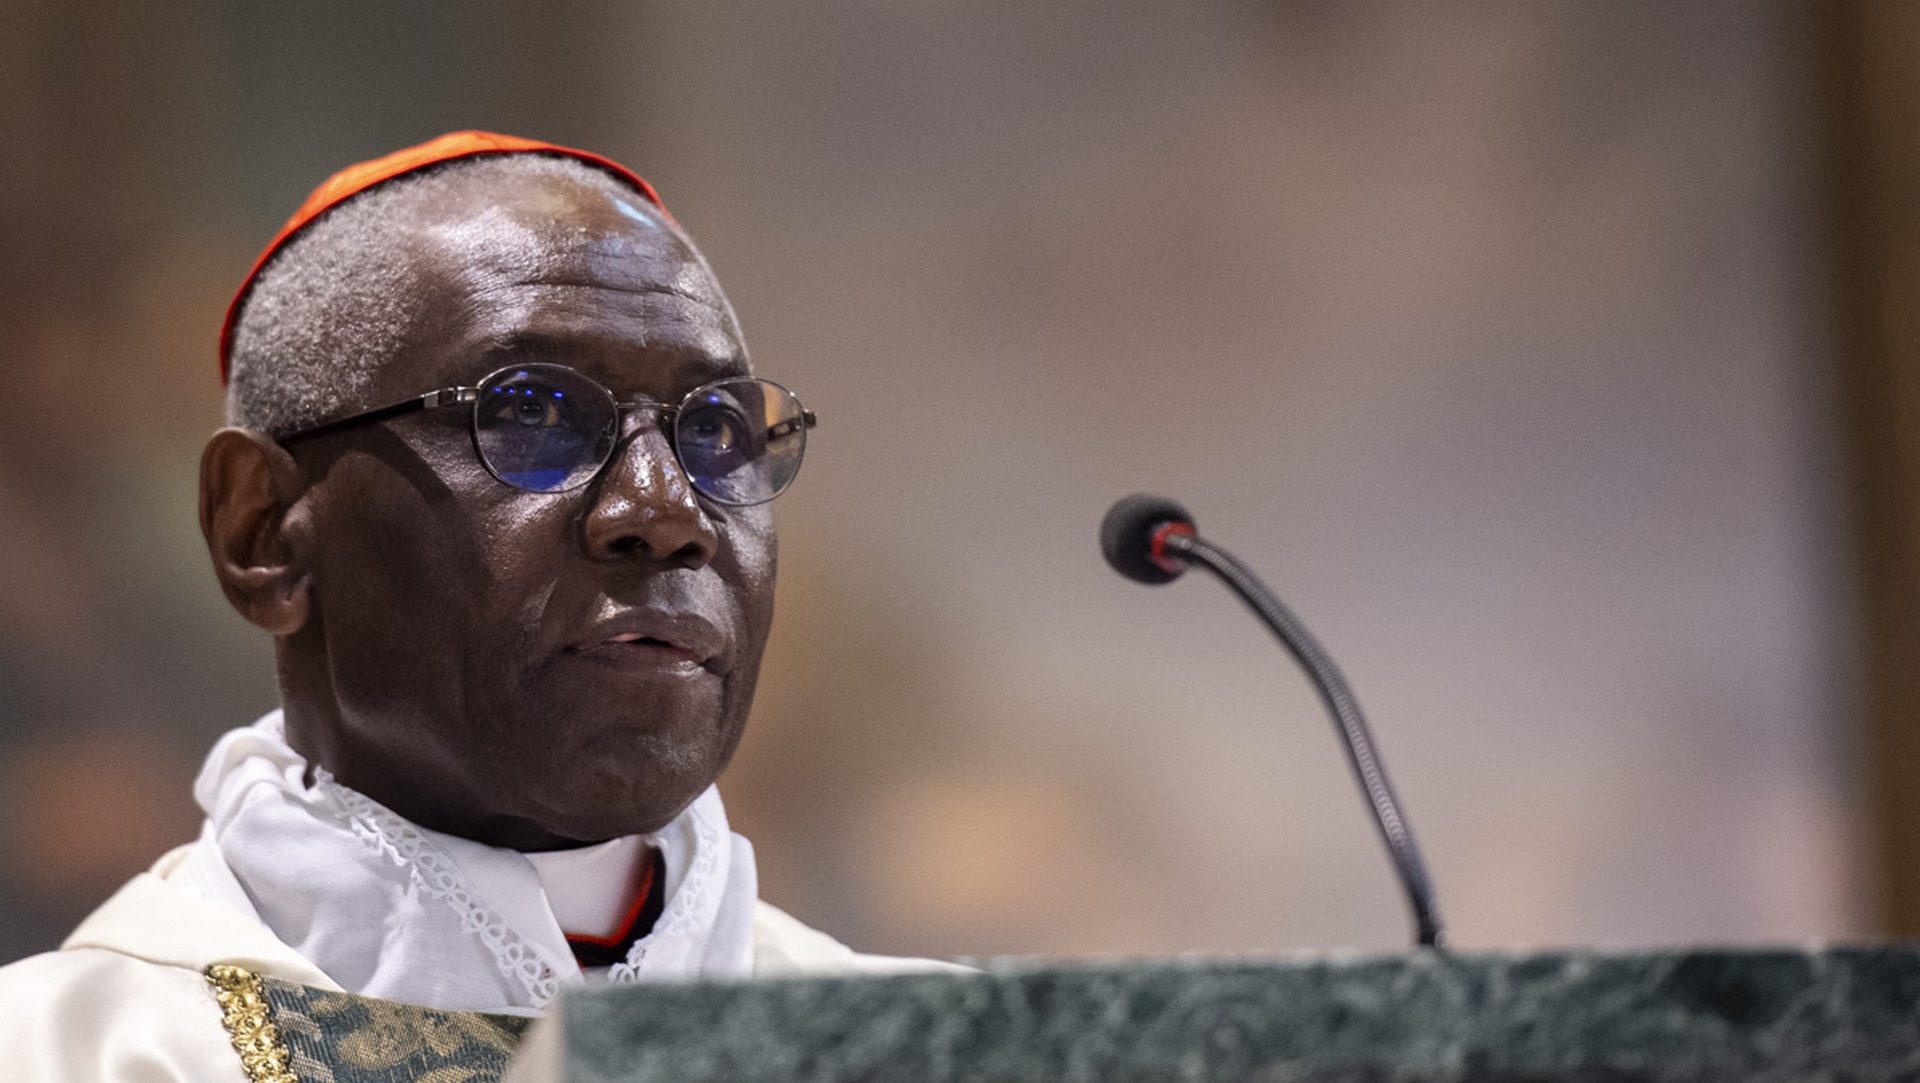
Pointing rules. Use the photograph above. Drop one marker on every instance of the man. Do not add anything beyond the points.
(497, 480)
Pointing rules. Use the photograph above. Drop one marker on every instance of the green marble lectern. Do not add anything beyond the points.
(1848, 1015)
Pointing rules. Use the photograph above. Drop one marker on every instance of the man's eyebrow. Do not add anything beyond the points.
(512, 346)
(530, 346)
(664, 289)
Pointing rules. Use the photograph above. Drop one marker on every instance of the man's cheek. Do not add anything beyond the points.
(391, 576)
(753, 553)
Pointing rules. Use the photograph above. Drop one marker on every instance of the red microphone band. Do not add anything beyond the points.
(1158, 546)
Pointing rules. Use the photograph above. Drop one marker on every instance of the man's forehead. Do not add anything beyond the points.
(523, 223)
(572, 274)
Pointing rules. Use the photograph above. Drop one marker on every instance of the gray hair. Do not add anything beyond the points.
(335, 304)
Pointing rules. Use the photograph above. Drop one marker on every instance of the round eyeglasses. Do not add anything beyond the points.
(548, 428)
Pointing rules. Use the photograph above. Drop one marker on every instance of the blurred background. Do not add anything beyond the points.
(1555, 360)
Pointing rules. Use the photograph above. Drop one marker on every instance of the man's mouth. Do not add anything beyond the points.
(638, 642)
(654, 637)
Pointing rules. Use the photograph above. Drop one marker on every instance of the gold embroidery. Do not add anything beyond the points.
(383, 1034)
(243, 1004)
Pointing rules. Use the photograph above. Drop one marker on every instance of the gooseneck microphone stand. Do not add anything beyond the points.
(1151, 540)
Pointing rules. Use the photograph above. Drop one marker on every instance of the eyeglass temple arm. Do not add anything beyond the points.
(806, 420)
(446, 396)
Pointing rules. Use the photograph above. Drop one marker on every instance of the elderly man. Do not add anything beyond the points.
(497, 481)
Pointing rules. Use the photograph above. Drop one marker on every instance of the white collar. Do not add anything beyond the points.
(591, 889)
(390, 909)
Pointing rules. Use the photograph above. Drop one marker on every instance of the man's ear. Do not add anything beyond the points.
(255, 530)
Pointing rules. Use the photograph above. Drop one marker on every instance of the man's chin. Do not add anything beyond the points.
(592, 807)
(611, 770)
(568, 831)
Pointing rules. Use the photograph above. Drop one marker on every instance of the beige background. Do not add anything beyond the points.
(1493, 335)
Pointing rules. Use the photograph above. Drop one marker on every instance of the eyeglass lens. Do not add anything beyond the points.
(547, 428)
(740, 440)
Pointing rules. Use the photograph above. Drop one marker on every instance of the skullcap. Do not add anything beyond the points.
(355, 179)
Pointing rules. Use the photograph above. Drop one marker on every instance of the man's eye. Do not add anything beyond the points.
(532, 407)
(714, 429)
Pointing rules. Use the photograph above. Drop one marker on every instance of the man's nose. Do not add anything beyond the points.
(643, 505)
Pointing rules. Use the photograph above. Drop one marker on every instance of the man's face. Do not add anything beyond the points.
(537, 669)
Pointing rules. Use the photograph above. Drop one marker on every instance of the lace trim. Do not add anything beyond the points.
(436, 876)
(688, 912)
(243, 1011)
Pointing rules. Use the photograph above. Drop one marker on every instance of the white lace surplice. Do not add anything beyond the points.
(390, 909)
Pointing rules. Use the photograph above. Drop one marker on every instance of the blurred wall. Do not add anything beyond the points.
(1491, 333)
(1868, 53)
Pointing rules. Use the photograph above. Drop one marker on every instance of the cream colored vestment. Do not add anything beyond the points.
(125, 999)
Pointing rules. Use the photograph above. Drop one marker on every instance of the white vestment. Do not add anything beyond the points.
(316, 884)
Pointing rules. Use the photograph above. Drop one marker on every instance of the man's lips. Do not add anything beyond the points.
(659, 636)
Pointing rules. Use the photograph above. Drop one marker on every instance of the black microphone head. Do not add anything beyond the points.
(1126, 535)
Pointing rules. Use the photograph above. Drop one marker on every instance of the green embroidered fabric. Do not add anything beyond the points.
(341, 1038)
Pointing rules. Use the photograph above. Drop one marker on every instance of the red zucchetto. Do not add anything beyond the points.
(354, 179)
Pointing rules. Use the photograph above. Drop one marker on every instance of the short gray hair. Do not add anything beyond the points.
(335, 304)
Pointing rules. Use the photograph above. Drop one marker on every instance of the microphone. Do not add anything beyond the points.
(1151, 539)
